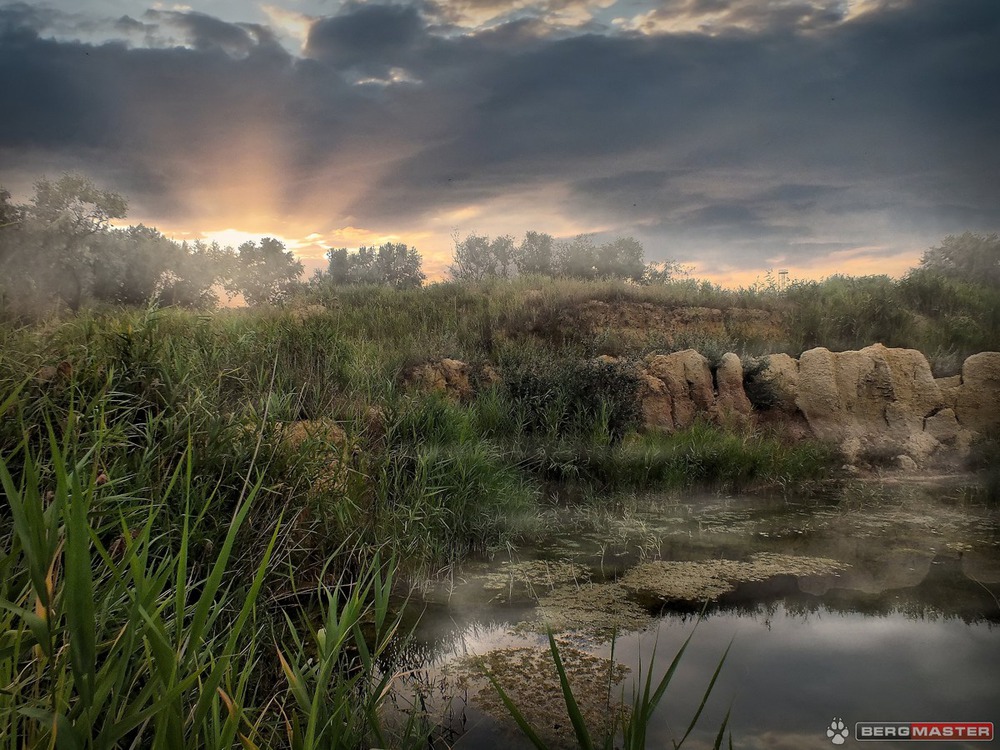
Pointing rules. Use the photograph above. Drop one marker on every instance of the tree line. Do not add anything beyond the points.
(61, 247)
(478, 258)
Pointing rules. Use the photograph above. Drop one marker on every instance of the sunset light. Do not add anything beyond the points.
(499, 374)
(720, 135)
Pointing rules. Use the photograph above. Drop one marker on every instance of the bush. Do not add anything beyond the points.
(760, 390)
(596, 400)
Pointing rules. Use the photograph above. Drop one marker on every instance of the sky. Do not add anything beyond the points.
(734, 136)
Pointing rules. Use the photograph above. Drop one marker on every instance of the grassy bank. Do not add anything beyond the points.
(313, 404)
(945, 318)
(205, 513)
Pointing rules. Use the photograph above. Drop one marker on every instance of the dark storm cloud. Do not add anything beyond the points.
(902, 103)
(18, 18)
(381, 34)
(762, 133)
(158, 117)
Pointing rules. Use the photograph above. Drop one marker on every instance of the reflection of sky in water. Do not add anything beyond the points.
(791, 675)
(788, 675)
(923, 568)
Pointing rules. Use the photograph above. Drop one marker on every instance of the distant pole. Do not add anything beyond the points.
(782, 279)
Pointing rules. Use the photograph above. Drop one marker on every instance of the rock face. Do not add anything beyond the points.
(685, 379)
(977, 403)
(678, 389)
(878, 404)
(872, 401)
(949, 390)
(731, 403)
(656, 403)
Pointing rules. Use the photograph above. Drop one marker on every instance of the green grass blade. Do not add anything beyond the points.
(708, 692)
(572, 708)
(67, 737)
(235, 631)
(79, 595)
(29, 524)
(722, 732)
(515, 712)
(207, 601)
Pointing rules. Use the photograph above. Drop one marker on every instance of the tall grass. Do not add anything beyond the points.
(924, 311)
(161, 522)
(114, 637)
(108, 637)
(434, 477)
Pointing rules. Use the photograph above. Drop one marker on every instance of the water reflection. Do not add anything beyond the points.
(906, 633)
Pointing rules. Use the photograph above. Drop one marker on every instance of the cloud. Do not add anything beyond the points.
(722, 16)
(206, 33)
(367, 35)
(552, 14)
(782, 130)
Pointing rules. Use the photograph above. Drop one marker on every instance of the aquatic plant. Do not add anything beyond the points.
(630, 729)
(702, 580)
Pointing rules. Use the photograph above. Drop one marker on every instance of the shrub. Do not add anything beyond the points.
(572, 398)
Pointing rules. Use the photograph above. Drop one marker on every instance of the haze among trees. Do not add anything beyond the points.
(479, 258)
(391, 264)
(62, 249)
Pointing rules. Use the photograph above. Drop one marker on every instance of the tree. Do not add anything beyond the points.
(621, 258)
(10, 214)
(264, 273)
(534, 255)
(664, 272)
(399, 266)
(338, 265)
(391, 264)
(131, 264)
(478, 258)
(49, 247)
(75, 205)
(577, 258)
(970, 257)
(198, 268)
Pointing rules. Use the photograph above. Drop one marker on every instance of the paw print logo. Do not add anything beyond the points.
(837, 732)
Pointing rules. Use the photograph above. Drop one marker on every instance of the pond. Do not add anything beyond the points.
(875, 601)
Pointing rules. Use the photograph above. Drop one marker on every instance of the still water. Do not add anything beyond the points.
(872, 602)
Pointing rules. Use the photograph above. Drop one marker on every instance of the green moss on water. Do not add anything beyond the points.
(528, 675)
(710, 579)
(531, 578)
(597, 610)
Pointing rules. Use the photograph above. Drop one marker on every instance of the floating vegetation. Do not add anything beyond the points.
(710, 579)
(530, 576)
(529, 677)
(596, 610)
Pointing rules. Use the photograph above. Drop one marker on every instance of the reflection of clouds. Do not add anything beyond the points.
(920, 644)
(788, 675)
(788, 672)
